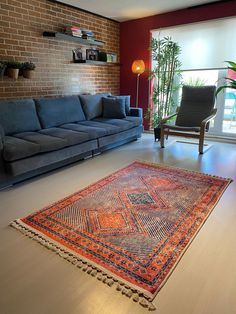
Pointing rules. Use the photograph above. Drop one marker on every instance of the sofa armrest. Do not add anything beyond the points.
(136, 112)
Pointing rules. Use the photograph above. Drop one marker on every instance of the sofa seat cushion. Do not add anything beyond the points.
(55, 111)
(92, 132)
(108, 128)
(17, 148)
(121, 124)
(71, 137)
(18, 116)
(46, 143)
(136, 121)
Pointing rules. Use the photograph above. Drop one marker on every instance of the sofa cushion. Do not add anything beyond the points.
(113, 108)
(127, 102)
(93, 132)
(46, 143)
(121, 124)
(18, 116)
(71, 137)
(92, 105)
(136, 121)
(56, 111)
(17, 148)
(107, 129)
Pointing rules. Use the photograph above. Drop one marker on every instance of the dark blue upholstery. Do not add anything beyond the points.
(28, 148)
(113, 108)
(92, 105)
(56, 111)
(126, 100)
(18, 116)
(71, 137)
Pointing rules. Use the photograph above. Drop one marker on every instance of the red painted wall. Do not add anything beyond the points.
(135, 41)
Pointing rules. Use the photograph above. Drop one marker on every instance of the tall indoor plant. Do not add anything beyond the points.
(165, 73)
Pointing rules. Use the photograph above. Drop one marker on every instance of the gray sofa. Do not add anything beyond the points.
(39, 135)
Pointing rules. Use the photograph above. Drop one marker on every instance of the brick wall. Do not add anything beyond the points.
(22, 23)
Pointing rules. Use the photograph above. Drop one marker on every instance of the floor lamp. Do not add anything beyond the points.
(138, 67)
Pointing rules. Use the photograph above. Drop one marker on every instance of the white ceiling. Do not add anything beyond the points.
(123, 10)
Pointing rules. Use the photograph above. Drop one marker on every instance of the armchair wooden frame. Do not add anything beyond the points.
(198, 132)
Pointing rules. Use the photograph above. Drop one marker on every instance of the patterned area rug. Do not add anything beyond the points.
(130, 228)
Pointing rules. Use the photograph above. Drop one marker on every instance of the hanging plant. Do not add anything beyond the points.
(165, 73)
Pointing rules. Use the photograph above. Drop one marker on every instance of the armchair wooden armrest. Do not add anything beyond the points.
(207, 119)
(164, 120)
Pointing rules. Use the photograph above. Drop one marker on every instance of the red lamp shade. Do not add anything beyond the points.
(138, 67)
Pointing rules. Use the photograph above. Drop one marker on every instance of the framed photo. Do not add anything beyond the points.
(92, 54)
(77, 54)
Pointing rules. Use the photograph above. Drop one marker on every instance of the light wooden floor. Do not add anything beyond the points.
(34, 280)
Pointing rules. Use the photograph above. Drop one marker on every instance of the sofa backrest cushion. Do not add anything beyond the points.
(113, 108)
(57, 111)
(92, 105)
(18, 116)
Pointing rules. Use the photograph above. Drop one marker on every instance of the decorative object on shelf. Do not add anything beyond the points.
(77, 55)
(73, 31)
(92, 54)
(2, 68)
(111, 57)
(231, 79)
(28, 69)
(138, 67)
(13, 68)
(102, 56)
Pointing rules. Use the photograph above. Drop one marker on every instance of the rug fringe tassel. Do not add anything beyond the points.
(131, 293)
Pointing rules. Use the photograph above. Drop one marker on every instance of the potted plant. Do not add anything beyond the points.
(165, 77)
(230, 82)
(28, 69)
(2, 68)
(13, 69)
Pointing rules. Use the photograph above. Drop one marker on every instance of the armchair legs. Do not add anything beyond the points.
(162, 139)
(201, 140)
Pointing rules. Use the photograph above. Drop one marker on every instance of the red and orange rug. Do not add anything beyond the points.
(130, 228)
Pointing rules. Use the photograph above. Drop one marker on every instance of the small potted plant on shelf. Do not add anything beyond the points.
(2, 68)
(13, 69)
(28, 69)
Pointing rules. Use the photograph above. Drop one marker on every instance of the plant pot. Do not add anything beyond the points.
(28, 74)
(157, 133)
(13, 73)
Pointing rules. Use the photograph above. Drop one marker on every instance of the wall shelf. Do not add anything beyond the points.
(61, 36)
(92, 62)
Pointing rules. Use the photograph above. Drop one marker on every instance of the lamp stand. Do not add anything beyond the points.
(136, 105)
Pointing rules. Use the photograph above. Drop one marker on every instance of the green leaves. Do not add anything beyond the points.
(165, 54)
(230, 83)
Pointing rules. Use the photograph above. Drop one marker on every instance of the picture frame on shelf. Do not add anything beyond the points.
(77, 55)
(92, 54)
